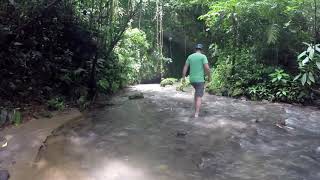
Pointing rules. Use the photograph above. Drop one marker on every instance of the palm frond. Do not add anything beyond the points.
(273, 33)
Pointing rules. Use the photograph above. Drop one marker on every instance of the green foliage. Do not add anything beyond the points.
(56, 104)
(168, 82)
(249, 78)
(258, 92)
(279, 76)
(274, 30)
(273, 33)
(183, 84)
(280, 87)
(266, 25)
(309, 65)
(83, 103)
(17, 117)
(133, 57)
(232, 80)
(131, 63)
(219, 81)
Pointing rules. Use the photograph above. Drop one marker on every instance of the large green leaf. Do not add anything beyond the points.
(274, 80)
(309, 82)
(317, 48)
(311, 53)
(273, 33)
(306, 44)
(304, 79)
(297, 77)
(318, 64)
(306, 60)
(311, 77)
(302, 55)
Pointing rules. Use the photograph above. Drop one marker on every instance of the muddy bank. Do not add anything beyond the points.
(23, 142)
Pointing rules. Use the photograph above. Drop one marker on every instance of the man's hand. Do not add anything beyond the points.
(183, 80)
(207, 70)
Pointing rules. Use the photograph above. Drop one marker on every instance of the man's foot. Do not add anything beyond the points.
(196, 115)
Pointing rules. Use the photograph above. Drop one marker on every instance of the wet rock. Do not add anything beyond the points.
(3, 142)
(243, 98)
(255, 120)
(136, 96)
(281, 123)
(181, 134)
(4, 175)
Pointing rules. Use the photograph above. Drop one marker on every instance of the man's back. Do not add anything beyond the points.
(196, 62)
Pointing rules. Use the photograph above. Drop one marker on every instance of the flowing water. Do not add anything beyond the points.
(156, 138)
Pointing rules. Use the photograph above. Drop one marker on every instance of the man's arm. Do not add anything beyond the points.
(207, 69)
(185, 70)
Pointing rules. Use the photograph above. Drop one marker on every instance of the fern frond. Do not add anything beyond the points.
(273, 32)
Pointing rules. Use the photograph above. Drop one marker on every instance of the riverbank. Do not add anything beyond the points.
(23, 142)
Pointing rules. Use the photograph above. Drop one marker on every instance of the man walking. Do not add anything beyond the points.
(198, 63)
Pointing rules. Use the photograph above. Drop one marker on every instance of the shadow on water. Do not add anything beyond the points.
(155, 138)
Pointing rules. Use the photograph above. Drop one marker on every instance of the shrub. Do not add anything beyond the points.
(233, 79)
(168, 81)
(56, 104)
(183, 84)
(247, 77)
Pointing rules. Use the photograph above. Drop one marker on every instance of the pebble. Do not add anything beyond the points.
(181, 134)
(255, 121)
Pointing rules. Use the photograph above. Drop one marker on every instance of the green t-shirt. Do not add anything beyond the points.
(196, 62)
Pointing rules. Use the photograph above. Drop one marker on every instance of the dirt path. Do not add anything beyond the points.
(156, 138)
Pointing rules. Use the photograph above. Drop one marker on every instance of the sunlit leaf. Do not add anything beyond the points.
(273, 34)
(309, 82)
(317, 48)
(305, 61)
(318, 64)
(302, 54)
(307, 44)
(5, 145)
(304, 79)
(311, 53)
(311, 77)
(297, 77)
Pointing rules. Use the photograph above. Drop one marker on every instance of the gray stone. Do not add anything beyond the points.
(136, 96)
(181, 134)
(4, 175)
(255, 120)
(243, 98)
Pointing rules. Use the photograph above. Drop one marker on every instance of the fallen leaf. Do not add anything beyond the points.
(4, 145)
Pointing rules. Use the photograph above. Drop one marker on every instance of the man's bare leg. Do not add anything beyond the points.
(197, 106)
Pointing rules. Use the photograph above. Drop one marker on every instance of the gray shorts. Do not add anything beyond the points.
(199, 87)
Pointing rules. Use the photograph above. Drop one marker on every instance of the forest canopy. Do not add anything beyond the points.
(262, 49)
